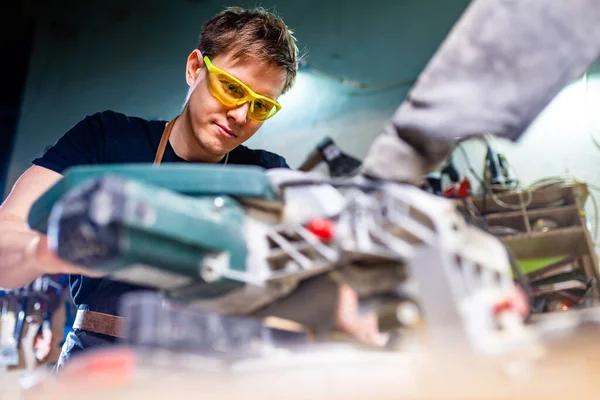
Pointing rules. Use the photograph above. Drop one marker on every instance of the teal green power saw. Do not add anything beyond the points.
(195, 232)
(234, 240)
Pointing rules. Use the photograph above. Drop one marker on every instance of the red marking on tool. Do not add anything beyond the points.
(322, 228)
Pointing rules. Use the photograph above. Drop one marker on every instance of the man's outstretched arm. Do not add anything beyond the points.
(501, 64)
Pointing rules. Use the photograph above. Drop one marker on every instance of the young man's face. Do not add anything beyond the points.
(218, 129)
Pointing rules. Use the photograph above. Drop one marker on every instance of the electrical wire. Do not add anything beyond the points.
(489, 188)
(565, 180)
(543, 183)
(509, 206)
(469, 166)
(540, 184)
(483, 212)
(595, 142)
(487, 140)
(518, 271)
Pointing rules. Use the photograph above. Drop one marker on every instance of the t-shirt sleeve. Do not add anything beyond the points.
(279, 162)
(263, 158)
(269, 160)
(83, 144)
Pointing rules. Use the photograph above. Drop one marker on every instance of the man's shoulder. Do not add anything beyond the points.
(113, 121)
(262, 158)
(103, 138)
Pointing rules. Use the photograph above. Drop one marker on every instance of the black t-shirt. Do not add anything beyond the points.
(108, 138)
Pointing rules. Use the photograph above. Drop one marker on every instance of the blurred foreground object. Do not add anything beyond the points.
(27, 335)
(242, 241)
(567, 368)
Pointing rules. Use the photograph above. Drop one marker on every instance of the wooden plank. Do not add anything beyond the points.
(563, 216)
(516, 222)
(555, 243)
(554, 196)
(591, 261)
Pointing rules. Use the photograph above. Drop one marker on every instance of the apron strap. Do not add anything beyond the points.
(163, 141)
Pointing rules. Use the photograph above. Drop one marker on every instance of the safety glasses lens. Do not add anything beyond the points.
(263, 109)
(226, 90)
(231, 93)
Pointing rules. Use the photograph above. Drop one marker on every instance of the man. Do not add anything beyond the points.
(245, 60)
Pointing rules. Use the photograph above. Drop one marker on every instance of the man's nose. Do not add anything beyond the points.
(239, 113)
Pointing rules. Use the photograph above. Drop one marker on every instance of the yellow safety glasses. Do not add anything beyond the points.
(231, 92)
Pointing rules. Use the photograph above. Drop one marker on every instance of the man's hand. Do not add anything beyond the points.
(348, 320)
(50, 263)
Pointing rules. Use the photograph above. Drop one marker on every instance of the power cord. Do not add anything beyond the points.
(488, 189)
(571, 180)
(518, 272)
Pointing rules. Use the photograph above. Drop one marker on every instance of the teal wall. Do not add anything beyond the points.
(129, 56)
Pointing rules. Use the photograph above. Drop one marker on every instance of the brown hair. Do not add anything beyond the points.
(254, 33)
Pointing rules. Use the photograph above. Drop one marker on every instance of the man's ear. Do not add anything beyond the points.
(194, 66)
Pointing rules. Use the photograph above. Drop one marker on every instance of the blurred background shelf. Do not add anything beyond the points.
(547, 233)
